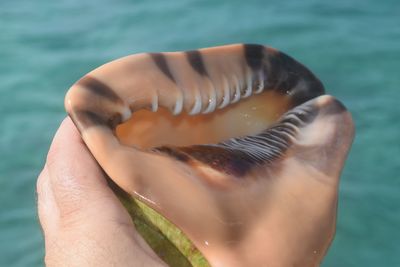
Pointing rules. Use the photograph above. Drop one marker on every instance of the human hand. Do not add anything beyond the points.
(84, 223)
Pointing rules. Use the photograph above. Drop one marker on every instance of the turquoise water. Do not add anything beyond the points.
(353, 46)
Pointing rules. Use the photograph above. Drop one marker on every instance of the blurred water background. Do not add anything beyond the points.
(353, 46)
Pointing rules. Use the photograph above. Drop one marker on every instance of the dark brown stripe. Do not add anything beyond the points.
(196, 61)
(230, 161)
(162, 64)
(288, 76)
(283, 73)
(173, 152)
(87, 118)
(99, 88)
(254, 54)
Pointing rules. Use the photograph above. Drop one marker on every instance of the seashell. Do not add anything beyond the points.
(237, 146)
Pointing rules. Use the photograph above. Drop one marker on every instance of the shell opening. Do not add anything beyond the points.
(147, 129)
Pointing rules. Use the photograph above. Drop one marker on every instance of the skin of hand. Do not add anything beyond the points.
(83, 222)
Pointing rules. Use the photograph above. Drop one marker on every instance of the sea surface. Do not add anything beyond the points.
(353, 47)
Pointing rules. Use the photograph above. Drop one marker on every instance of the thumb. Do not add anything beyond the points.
(78, 184)
(81, 217)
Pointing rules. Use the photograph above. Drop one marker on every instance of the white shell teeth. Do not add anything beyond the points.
(126, 113)
(227, 95)
(252, 85)
(236, 96)
(154, 103)
(248, 92)
(212, 103)
(178, 104)
(260, 86)
(197, 104)
(249, 87)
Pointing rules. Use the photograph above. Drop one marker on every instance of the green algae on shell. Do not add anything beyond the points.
(167, 240)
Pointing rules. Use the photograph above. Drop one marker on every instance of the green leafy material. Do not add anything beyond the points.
(167, 240)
